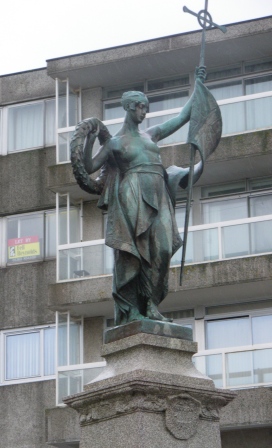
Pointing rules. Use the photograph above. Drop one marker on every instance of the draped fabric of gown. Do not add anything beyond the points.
(142, 230)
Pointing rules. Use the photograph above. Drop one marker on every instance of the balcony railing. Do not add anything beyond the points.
(71, 380)
(239, 368)
(239, 114)
(208, 242)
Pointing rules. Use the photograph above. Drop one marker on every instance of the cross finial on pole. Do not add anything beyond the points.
(205, 21)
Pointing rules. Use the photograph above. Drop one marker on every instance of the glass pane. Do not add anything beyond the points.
(176, 259)
(202, 245)
(239, 368)
(208, 242)
(49, 351)
(74, 342)
(50, 234)
(62, 339)
(73, 381)
(118, 91)
(214, 369)
(224, 210)
(22, 356)
(178, 136)
(261, 205)
(261, 237)
(210, 365)
(167, 101)
(113, 110)
(260, 184)
(64, 146)
(25, 127)
(180, 212)
(220, 190)
(262, 360)
(158, 84)
(258, 113)
(25, 238)
(258, 66)
(233, 118)
(235, 240)
(227, 90)
(225, 73)
(85, 262)
(258, 85)
(262, 329)
(228, 333)
(73, 109)
(50, 122)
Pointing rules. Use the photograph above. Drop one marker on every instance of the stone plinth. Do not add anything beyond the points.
(150, 394)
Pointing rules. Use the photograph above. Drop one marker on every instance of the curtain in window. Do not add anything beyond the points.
(50, 122)
(164, 102)
(74, 343)
(228, 333)
(261, 232)
(262, 329)
(49, 351)
(259, 111)
(233, 115)
(50, 234)
(62, 340)
(22, 356)
(25, 127)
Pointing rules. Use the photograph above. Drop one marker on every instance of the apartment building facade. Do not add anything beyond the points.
(55, 270)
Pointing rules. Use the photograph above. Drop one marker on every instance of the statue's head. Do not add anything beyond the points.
(130, 99)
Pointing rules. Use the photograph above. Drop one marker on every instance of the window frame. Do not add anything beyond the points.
(3, 355)
(46, 246)
(28, 103)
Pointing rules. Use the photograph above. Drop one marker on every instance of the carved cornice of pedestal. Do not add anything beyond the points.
(183, 407)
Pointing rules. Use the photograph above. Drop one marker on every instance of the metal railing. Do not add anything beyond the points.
(206, 243)
(240, 367)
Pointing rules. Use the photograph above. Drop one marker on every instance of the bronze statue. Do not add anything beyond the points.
(139, 195)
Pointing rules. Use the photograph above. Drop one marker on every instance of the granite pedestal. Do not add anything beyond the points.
(150, 395)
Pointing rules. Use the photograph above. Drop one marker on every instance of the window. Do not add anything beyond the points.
(171, 94)
(32, 237)
(28, 354)
(33, 125)
(246, 237)
(249, 114)
(72, 374)
(231, 87)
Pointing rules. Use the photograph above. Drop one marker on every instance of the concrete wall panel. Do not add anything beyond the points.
(251, 407)
(26, 86)
(23, 181)
(93, 339)
(22, 414)
(24, 292)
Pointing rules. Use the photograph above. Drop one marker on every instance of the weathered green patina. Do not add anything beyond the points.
(139, 194)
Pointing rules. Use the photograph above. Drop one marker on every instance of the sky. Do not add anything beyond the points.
(32, 32)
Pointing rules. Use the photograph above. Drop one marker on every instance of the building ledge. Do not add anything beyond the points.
(213, 283)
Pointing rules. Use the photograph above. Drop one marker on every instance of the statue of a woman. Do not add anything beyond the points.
(137, 192)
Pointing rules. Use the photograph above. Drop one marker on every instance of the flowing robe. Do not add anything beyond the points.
(142, 230)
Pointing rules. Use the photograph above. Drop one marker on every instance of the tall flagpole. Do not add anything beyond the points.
(205, 21)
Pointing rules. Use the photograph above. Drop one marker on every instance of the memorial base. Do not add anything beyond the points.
(150, 394)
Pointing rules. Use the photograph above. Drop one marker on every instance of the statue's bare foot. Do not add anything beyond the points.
(153, 313)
